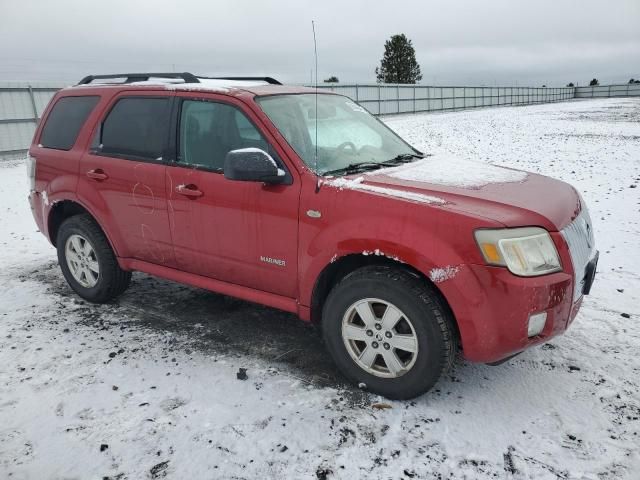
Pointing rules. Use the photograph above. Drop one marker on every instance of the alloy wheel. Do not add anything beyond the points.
(82, 261)
(380, 338)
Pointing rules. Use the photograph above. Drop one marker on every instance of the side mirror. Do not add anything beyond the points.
(252, 165)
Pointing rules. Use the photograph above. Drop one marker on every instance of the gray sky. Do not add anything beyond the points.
(463, 42)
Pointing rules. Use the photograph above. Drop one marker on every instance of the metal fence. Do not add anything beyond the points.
(21, 105)
(625, 90)
(387, 99)
(20, 109)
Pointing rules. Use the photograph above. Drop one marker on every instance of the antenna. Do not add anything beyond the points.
(315, 159)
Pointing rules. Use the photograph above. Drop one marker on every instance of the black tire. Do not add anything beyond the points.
(112, 280)
(431, 320)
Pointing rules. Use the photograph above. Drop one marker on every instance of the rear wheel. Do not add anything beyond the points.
(389, 330)
(88, 262)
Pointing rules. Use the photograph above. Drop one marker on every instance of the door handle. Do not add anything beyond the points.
(189, 190)
(97, 174)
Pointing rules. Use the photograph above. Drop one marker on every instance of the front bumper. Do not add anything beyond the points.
(492, 308)
(497, 325)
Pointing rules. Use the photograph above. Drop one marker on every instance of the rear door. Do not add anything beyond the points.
(122, 176)
(244, 233)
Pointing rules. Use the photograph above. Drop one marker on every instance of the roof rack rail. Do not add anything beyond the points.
(269, 80)
(141, 77)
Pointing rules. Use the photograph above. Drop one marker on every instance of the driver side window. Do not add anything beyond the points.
(209, 130)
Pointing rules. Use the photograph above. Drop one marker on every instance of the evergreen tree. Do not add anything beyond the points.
(594, 83)
(331, 79)
(399, 64)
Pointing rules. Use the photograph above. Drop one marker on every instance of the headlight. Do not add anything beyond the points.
(527, 251)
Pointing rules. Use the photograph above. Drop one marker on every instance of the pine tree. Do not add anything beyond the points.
(399, 64)
(594, 83)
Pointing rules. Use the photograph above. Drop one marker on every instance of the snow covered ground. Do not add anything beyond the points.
(146, 387)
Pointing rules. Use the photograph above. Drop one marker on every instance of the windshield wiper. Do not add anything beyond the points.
(364, 166)
(356, 167)
(403, 158)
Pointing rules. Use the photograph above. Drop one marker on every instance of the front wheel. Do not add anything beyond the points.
(388, 330)
(87, 261)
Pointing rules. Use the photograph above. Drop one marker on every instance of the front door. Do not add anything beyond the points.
(244, 233)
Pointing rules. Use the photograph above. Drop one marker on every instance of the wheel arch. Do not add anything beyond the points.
(64, 209)
(343, 266)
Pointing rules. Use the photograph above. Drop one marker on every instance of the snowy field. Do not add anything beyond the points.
(146, 387)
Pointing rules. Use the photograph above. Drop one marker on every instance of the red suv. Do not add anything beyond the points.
(303, 201)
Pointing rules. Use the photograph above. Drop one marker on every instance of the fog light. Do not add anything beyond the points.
(536, 323)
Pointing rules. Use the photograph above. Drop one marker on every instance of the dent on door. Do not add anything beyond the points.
(151, 213)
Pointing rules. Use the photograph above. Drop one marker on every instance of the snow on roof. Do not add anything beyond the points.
(357, 184)
(443, 169)
(208, 84)
(217, 84)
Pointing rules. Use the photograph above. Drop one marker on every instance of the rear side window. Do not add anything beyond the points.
(65, 121)
(135, 127)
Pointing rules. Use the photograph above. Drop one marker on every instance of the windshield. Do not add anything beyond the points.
(349, 138)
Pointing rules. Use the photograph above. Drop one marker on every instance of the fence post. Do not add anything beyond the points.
(379, 100)
(357, 95)
(33, 104)
(428, 99)
(398, 95)
(414, 98)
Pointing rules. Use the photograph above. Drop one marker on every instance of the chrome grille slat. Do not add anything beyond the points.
(579, 236)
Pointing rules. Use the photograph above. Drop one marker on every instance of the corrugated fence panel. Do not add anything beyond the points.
(15, 136)
(15, 104)
(21, 106)
(598, 91)
(406, 92)
(390, 98)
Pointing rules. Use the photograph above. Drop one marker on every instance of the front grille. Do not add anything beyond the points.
(579, 236)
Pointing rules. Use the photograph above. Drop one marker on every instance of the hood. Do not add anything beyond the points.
(511, 197)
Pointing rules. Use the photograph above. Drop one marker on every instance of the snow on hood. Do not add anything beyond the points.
(442, 169)
(357, 184)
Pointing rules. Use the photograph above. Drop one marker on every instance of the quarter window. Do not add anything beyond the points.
(135, 127)
(65, 121)
(209, 130)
